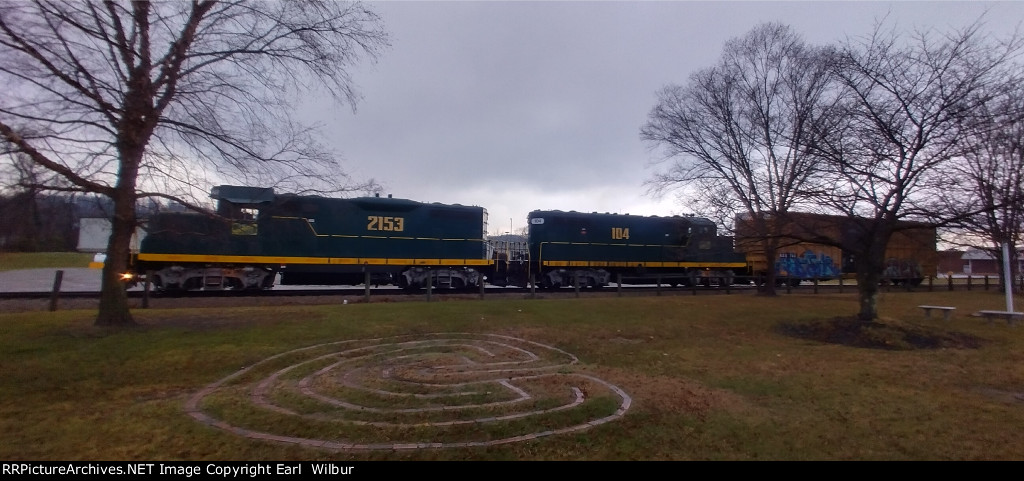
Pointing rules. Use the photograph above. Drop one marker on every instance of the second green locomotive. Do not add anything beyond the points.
(592, 250)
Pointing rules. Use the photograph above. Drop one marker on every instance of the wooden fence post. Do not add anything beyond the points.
(145, 290)
(58, 278)
(366, 283)
(430, 285)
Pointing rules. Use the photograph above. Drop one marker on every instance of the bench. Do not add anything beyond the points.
(1008, 315)
(946, 311)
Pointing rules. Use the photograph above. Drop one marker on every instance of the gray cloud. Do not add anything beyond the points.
(525, 105)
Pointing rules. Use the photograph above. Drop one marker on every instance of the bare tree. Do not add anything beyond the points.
(735, 134)
(986, 188)
(910, 107)
(157, 99)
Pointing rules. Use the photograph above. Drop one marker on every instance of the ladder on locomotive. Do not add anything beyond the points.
(443, 278)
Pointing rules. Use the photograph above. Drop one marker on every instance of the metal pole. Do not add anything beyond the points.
(1007, 280)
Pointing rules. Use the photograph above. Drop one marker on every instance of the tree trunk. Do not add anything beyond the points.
(867, 288)
(870, 264)
(771, 252)
(114, 310)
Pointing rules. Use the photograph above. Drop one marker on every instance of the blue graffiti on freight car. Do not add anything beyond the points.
(810, 265)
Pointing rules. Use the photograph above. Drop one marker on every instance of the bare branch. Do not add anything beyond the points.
(163, 99)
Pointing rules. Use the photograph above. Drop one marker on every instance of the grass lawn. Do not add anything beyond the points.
(10, 261)
(710, 377)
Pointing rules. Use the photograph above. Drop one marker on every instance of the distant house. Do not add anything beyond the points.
(94, 233)
(974, 262)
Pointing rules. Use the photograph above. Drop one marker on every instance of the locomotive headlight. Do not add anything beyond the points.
(127, 276)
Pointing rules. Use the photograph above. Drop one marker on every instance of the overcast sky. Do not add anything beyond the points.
(517, 106)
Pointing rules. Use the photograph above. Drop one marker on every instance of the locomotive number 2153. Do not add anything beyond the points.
(391, 224)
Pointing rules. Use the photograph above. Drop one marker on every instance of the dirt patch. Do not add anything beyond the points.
(879, 334)
(672, 394)
(1008, 397)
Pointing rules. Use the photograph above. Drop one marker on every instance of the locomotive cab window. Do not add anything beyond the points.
(245, 222)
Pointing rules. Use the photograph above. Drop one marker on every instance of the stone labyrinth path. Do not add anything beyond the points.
(440, 390)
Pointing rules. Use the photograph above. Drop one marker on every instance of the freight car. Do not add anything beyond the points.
(815, 246)
(258, 234)
(573, 248)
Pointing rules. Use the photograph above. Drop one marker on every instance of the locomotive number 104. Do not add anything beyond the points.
(619, 233)
(390, 224)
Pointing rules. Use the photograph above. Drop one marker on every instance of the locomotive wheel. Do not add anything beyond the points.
(407, 286)
(546, 283)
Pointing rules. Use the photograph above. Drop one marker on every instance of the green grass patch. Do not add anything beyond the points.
(710, 377)
(10, 261)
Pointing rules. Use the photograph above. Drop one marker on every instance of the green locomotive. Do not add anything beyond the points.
(313, 240)
(591, 250)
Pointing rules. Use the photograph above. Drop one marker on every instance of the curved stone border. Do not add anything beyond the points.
(355, 359)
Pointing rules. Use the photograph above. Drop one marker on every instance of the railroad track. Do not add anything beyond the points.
(361, 291)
